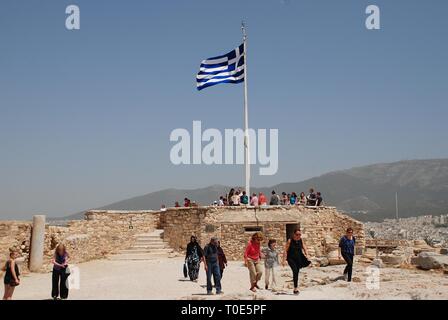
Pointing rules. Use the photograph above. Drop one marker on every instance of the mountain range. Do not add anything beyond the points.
(366, 193)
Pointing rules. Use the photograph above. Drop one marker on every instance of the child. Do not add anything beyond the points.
(270, 262)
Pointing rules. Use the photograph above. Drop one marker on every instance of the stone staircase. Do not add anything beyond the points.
(147, 246)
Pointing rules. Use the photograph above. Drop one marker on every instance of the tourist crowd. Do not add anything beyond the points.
(238, 197)
(295, 254)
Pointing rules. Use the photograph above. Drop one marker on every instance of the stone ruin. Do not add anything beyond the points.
(321, 227)
(103, 233)
(405, 254)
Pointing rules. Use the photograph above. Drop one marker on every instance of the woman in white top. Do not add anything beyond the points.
(236, 199)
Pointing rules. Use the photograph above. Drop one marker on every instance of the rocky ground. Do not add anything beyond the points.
(162, 279)
(432, 229)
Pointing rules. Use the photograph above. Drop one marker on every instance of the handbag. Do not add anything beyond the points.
(67, 270)
(185, 270)
(13, 283)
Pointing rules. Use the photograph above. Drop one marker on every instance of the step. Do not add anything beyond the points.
(149, 241)
(138, 242)
(151, 246)
(151, 234)
(143, 250)
(147, 246)
(141, 256)
(148, 238)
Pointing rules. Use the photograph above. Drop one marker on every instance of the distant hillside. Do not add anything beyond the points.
(366, 193)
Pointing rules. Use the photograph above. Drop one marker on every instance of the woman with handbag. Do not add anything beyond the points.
(12, 273)
(60, 273)
(193, 258)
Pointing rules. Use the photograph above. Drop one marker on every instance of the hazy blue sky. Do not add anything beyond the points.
(85, 116)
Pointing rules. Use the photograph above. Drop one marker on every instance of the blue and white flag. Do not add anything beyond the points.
(228, 68)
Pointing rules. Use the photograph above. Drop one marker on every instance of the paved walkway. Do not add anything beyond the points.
(115, 279)
(163, 279)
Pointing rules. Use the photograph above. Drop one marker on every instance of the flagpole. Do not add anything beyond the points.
(396, 205)
(246, 116)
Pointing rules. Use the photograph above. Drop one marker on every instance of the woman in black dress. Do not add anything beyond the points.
(193, 258)
(297, 256)
(12, 273)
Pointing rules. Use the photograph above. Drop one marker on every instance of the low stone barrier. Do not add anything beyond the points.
(104, 232)
(101, 233)
(321, 227)
(17, 235)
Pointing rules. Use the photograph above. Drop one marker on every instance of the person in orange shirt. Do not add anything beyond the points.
(262, 199)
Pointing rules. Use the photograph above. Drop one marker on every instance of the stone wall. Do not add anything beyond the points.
(234, 238)
(321, 227)
(17, 235)
(180, 224)
(101, 233)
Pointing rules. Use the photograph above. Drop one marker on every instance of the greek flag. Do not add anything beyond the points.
(228, 68)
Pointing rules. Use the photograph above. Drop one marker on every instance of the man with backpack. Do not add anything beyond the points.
(275, 199)
(244, 199)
